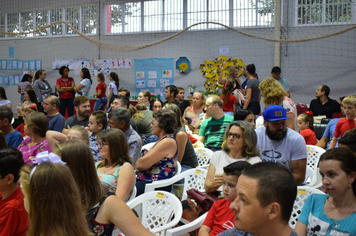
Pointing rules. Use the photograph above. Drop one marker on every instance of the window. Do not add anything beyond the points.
(248, 13)
(132, 17)
(314, 12)
(55, 15)
(41, 21)
(173, 15)
(2, 25)
(89, 20)
(72, 17)
(153, 16)
(197, 12)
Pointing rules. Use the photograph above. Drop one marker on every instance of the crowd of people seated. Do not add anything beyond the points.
(79, 171)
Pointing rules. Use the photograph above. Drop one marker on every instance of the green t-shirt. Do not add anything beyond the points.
(213, 131)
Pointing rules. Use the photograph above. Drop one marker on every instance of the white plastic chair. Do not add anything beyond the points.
(302, 195)
(193, 178)
(133, 194)
(314, 153)
(157, 211)
(203, 156)
(148, 146)
(164, 182)
(187, 227)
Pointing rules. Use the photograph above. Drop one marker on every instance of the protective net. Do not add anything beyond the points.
(316, 39)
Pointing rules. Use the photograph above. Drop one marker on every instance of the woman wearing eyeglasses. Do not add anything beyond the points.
(115, 171)
(239, 144)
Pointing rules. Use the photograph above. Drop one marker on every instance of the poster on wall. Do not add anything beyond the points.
(152, 74)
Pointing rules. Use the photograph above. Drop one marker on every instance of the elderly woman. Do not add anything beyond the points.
(115, 170)
(240, 141)
(161, 160)
(36, 126)
(196, 111)
(274, 94)
(332, 213)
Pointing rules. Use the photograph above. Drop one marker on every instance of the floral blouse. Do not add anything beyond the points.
(28, 152)
(164, 169)
(95, 227)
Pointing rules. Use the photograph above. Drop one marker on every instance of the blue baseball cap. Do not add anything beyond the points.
(274, 112)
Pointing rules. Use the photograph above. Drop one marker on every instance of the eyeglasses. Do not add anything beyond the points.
(101, 144)
(234, 136)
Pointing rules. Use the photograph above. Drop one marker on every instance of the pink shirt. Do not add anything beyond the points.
(27, 151)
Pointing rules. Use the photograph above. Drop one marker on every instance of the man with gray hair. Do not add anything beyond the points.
(119, 118)
(55, 119)
(13, 137)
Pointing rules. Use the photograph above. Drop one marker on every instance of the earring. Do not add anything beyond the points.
(349, 185)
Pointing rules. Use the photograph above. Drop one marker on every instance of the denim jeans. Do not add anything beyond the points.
(66, 103)
(100, 103)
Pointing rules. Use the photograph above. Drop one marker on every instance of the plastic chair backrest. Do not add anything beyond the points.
(314, 153)
(133, 194)
(182, 230)
(164, 182)
(157, 211)
(203, 156)
(193, 178)
(302, 195)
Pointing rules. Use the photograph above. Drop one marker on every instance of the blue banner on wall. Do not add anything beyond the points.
(153, 75)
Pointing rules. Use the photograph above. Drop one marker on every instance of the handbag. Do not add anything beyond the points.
(204, 200)
(240, 98)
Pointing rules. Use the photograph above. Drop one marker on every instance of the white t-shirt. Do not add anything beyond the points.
(220, 159)
(112, 86)
(86, 87)
(289, 149)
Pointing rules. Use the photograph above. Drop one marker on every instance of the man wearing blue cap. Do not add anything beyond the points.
(280, 144)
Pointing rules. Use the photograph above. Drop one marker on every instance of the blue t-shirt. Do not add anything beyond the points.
(56, 122)
(318, 223)
(13, 139)
(329, 131)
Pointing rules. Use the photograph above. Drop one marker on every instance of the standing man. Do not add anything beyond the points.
(323, 105)
(211, 134)
(82, 108)
(13, 137)
(280, 144)
(276, 74)
(120, 118)
(265, 196)
(55, 119)
(170, 94)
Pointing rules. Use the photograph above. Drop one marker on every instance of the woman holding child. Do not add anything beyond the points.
(239, 144)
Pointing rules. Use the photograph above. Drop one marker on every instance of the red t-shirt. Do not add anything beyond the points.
(101, 86)
(67, 83)
(220, 217)
(13, 216)
(342, 126)
(309, 136)
(230, 101)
